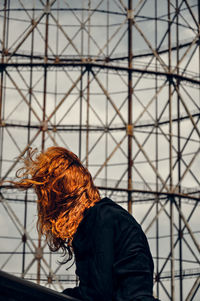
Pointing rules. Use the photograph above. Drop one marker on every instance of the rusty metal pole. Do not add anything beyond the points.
(88, 89)
(179, 157)
(130, 92)
(81, 86)
(1, 84)
(45, 74)
(171, 156)
(44, 125)
(24, 237)
(106, 105)
(157, 157)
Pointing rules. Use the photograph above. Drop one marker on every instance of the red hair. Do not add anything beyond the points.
(64, 188)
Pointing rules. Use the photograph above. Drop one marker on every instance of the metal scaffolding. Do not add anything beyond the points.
(117, 82)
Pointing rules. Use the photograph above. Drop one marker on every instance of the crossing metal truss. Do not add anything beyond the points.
(117, 82)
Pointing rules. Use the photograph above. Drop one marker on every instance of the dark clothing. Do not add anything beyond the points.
(113, 260)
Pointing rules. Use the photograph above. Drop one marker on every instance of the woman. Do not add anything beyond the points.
(113, 260)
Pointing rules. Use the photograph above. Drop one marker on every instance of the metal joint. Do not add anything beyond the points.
(82, 26)
(129, 130)
(170, 78)
(50, 279)
(88, 67)
(2, 123)
(47, 9)
(44, 125)
(157, 277)
(24, 238)
(130, 14)
(39, 253)
(5, 51)
(33, 22)
(171, 199)
(57, 60)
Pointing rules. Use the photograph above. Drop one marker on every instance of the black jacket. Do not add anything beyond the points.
(113, 260)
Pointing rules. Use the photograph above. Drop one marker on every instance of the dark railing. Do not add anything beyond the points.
(13, 288)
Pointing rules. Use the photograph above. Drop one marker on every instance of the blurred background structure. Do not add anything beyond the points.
(117, 82)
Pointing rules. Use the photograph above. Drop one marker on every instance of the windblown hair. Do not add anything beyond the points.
(64, 189)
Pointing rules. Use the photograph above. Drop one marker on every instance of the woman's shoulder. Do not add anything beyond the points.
(110, 207)
(106, 213)
(111, 213)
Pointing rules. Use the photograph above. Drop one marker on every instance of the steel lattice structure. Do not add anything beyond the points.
(117, 82)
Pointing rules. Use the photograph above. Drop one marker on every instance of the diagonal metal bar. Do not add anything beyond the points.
(112, 36)
(31, 108)
(109, 98)
(156, 216)
(187, 226)
(29, 266)
(186, 109)
(69, 42)
(116, 114)
(119, 181)
(177, 240)
(142, 178)
(14, 109)
(118, 110)
(10, 256)
(123, 5)
(32, 93)
(147, 213)
(140, 8)
(186, 52)
(78, 97)
(13, 140)
(51, 137)
(82, 24)
(192, 14)
(165, 290)
(160, 44)
(193, 290)
(20, 156)
(65, 34)
(109, 157)
(155, 53)
(180, 15)
(187, 169)
(190, 97)
(66, 95)
(30, 31)
(52, 272)
(68, 110)
(149, 103)
(30, 17)
(95, 113)
(47, 275)
(182, 160)
(117, 44)
(93, 146)
(22, 95)
(140, 2)
(16, 220)
(150, 163)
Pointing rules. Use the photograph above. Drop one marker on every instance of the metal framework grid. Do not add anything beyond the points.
(117, 82)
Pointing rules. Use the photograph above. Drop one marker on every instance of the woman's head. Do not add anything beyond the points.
(64, 189)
